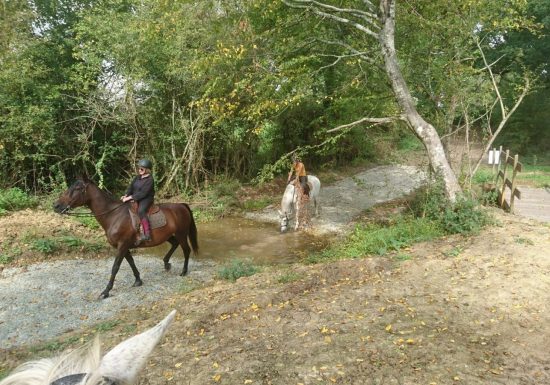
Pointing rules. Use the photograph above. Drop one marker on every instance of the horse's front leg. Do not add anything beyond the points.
(130, 259)
(116, 265)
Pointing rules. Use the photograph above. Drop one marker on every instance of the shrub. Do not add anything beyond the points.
(45, 246)
(15, 199)
(464, 216)
(237, 268)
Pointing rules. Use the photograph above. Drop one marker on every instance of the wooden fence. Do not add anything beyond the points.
(503, 178)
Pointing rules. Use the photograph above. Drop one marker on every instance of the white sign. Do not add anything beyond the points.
(494, 156)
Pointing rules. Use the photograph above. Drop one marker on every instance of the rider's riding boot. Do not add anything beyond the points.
(146, 230)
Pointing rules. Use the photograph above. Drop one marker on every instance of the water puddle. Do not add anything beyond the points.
(241, 238)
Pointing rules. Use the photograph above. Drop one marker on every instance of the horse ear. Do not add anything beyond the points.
(124, 362)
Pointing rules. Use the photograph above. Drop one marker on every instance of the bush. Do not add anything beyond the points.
(15, 199)
(464, 216)
(45, 246)
(237, 268)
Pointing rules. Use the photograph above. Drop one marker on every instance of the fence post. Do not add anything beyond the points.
(513, 188)
(503, 189)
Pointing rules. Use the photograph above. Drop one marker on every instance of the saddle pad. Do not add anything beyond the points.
(156, 220)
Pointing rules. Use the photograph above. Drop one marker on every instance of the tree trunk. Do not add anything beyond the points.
(424, 130)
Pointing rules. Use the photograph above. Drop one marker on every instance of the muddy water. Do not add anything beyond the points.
(241, 238)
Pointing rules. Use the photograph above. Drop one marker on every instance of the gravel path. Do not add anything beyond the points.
(341, 202)
(47, 299)
(50, 298)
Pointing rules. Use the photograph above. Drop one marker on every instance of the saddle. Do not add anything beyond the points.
(156, 217)
(152, 210)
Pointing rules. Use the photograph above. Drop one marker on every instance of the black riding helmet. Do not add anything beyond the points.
(145, 163)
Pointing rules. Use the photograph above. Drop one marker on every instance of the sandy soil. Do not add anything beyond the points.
(454, 311)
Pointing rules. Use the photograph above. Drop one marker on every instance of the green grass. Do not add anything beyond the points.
(45, 246)
(107, 325)
(48, 246)
(237, 268)
(288, 277)
(256, 204)
(534, 175)
(55, 346)
(375, 239)
(5, 258)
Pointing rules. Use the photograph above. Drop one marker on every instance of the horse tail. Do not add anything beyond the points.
(192, 231)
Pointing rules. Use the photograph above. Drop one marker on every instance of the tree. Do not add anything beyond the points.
(377, 26)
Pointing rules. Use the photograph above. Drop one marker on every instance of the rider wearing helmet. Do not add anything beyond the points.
(142, 190)
(300, 170)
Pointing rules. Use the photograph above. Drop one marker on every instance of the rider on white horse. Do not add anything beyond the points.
(299, 169)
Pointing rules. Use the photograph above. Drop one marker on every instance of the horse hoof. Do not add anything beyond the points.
(137, 283)
(104, 295)
(183, 273)
(167, 266)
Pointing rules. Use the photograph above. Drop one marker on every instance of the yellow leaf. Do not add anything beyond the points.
(215, 365)
(410, 341)
(217, 377)
(179, 364)
(248, 382)
(388, 328)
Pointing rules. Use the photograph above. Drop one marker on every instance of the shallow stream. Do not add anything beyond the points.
(241, 238)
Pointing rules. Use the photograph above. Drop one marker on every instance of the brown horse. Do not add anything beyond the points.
(115, 219)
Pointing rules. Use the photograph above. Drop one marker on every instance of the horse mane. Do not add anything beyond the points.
(106, 193)
(44, 371)
(121, 365)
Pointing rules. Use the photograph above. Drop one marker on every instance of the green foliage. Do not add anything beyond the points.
(534, 175)
(52, 245)
(15, 199)
(289, 277)
(483, 175)
(524, 241)
(237, 268)
(90, 222)
(377, 239)
(5, 258)
(402, 257)
(55, 346)
(256, 204)
(107, 325)
(464, 216)
(454, 252)
(45, 246)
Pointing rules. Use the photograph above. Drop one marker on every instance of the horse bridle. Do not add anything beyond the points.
(67, 209)
(75, 379)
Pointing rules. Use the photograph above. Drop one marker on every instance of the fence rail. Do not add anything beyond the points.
(503, 180)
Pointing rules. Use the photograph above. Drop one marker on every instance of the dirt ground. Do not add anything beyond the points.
(454, 311)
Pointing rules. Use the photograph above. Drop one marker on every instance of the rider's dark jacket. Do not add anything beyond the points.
(143, 192)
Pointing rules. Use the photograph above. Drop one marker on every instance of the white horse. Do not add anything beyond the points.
(84, 366)
(290, 196)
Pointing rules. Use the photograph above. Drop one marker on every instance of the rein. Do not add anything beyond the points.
(90, 214)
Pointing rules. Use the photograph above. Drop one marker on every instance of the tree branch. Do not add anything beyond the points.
(339, 19)
(368, 120)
